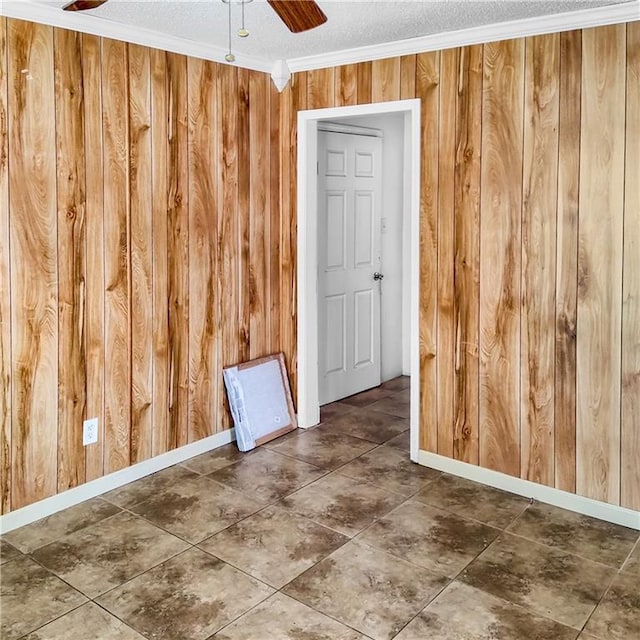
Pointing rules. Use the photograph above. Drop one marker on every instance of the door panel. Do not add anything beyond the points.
(349, 213)
(336, 314)
(364, 164)
(363, 326)
(336, 230)
(364, 245)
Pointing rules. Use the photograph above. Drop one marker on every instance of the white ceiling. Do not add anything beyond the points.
(351, 24)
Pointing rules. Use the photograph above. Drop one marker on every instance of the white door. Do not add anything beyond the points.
(349, 213)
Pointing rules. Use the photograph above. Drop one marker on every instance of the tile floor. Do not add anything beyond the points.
(330, 533)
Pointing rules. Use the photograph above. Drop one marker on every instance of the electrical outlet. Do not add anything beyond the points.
(90, 431)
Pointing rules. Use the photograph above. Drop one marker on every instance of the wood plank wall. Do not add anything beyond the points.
(530, 219)
(148, 237)
(139, 234)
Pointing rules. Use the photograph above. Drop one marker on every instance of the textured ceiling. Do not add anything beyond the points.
(350, 24)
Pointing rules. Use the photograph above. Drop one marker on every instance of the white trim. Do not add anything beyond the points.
(71, 497)
(548, 495)
(350, 129)
(584, 19)
(77, 21)
(280, 74)
(307, 273)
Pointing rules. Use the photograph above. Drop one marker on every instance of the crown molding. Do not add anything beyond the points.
(94, 25)
(584, 19)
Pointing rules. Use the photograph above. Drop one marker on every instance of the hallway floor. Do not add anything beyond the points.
(328, 533)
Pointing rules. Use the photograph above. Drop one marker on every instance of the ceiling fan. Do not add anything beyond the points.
(298, 15)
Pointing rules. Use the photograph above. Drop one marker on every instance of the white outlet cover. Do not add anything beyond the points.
(90, 431)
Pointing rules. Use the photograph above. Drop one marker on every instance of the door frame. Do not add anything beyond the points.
(307, 252)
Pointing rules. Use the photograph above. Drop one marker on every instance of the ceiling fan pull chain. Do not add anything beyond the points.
(242, 32)
(229, 57)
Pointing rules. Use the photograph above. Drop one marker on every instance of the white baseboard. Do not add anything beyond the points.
(71, 497)
(549, 495)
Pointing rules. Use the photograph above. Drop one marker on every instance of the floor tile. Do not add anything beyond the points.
(274, 545)
(324, 449)
(147, 487)
(88, 622)
(268, 476)
(366, 397)
(60, 524)
(7, 552)
(617, 617)
(343, 504)
(286, 619)
(395, 405)
(368, 425)
(633, 561)
(402, 442)
(189, 597)
(276, 442)
(367, 589)
(30, 597)
(547, 581)
(462, 612)
(107, 554)
(397, 384)
(587, 537)
(391, 469)
(216, 459)
(329, 411)
(436, 540)
(472, 500)
(196, 508)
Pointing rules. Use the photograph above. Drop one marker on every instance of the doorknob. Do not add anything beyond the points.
(378, 276)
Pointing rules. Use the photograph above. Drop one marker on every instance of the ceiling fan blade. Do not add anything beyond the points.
(83, 5)
(299, 15)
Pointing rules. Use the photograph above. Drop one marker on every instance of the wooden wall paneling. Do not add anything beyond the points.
(630, 449)
(160, 283)
(33, 261)
(567, 259)
(275, 298)
(600, 263)
(427, 88)
(244, 192)
(204, 230)
(117, 256)
(539, 206)
(445, 357)
(385, 80)
(141, 196)
(229, 226)
(408, 77)
(346, 89)
(500, 249)
(287, 266)
(467, 253)
(94, 250)
(178, 250)
(258, 213)
(364, 82)
(299, 103)
(320, 88)
(5, 286)
(71, 256)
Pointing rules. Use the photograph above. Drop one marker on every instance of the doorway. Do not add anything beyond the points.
(308, 254)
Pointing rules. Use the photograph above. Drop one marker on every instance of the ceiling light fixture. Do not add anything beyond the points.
(242, 32)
